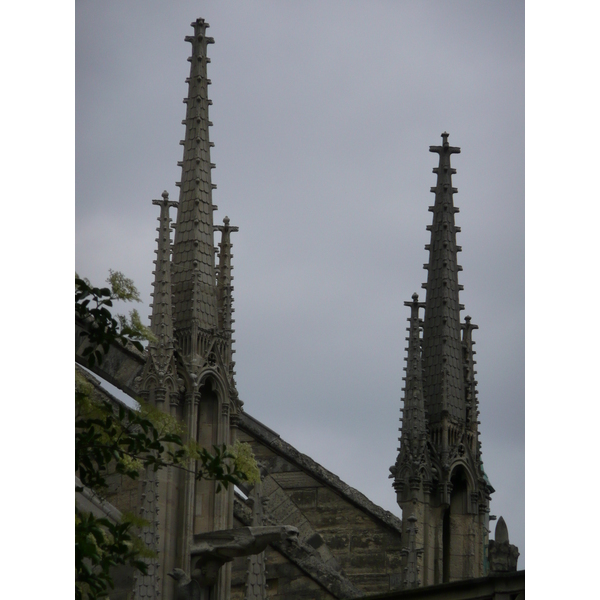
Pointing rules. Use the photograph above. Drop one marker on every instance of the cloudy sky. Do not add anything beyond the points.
(323, 115)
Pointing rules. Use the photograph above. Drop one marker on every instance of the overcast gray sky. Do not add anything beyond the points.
(323, 115)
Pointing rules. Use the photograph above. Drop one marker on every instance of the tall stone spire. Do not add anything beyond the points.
(189, 368)
(438, 476)
(442, 347)
(194, 284)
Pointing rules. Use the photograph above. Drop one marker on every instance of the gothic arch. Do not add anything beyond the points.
(461, 465)
(217, 382)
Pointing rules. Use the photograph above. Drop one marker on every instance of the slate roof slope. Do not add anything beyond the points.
(272, 439)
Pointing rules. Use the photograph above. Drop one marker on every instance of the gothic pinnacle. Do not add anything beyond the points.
(161, 320)
(413, 422)
(224, 277)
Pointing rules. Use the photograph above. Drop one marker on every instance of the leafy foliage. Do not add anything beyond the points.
(117, 439)
(112, 438)
(92, 306)
(99, 545)
(245, 461)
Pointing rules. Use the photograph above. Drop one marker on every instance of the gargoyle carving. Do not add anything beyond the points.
(212, 550)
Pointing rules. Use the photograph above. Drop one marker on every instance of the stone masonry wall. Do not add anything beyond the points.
(347, 537)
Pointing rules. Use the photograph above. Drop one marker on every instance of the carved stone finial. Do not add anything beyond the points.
(415, 297)
(501, 531)
(502, 554)
(165, 195)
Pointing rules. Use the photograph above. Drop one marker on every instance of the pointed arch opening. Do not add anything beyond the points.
(452, 533)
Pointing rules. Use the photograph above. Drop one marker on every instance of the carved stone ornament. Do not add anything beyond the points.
(212, 550)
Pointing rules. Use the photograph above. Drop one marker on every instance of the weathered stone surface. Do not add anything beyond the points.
(304, 498)
(300, 561)
(351, 533)
(269, 439)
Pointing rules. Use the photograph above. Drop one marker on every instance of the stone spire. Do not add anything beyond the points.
(439, 480)
(159, 378)
(224, 295)
(470, 384)
(194, 285)
(413, 451)
(414, 423)
(442, 347)
(161, 319)
(224, 278)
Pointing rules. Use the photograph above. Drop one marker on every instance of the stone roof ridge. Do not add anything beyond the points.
(88, 500)
(102, 390)
(442, 347)
(274, 441)
(122, 366)
(306, 559)
(194, 286)
(128, 348)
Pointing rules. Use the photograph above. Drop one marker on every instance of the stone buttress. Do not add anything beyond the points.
(189, 370)
(438, 475)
